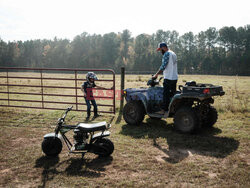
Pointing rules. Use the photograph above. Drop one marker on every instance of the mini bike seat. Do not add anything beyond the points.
(91, 127)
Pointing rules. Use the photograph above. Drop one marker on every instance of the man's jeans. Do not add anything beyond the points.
(89, 106)
(169, 89)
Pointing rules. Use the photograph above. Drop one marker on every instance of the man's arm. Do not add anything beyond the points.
(165, 60)
(156, 74)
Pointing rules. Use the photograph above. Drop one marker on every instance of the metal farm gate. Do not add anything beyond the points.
(54, 89)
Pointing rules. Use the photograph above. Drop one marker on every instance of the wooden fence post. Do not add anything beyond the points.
(122, 88)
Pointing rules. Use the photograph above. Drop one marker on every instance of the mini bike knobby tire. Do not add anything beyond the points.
(105, 147)
(52, 146)
(186, 120)
(133, 113)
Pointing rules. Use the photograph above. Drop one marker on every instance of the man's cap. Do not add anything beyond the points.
(160, 45)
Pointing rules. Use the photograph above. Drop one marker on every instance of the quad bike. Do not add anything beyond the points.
(85, 138)
(190, 106)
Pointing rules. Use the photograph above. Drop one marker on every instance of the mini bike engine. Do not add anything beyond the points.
(80, 139)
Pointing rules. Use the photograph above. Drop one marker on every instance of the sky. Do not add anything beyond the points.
(46, 19)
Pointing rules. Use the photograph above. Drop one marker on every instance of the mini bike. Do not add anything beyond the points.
(85, 138)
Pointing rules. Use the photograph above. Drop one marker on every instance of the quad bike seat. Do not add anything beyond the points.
(91, 127)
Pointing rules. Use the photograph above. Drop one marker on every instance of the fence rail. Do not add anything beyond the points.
(7, 87)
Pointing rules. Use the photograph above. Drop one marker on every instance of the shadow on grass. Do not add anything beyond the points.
(49, 168)
(118, 120)
(204, 142)
(77, 167)
(88, 168)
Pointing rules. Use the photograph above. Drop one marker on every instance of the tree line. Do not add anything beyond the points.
(224, 51)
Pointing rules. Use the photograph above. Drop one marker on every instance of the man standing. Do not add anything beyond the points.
(169, 70)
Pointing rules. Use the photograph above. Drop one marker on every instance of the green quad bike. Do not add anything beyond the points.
(190, 106)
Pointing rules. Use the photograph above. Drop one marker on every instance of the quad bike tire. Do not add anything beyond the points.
(211, 118)
(133, 112)
(155, 118)
(52, 146)
(104, 147)
(186, 120)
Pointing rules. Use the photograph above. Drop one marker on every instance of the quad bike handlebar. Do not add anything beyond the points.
(153, 81)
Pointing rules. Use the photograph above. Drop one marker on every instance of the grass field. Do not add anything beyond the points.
(149, 155)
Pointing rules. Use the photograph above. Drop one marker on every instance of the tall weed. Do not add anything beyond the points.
(236, 101)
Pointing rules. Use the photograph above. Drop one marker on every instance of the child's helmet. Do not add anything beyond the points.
(91, 75)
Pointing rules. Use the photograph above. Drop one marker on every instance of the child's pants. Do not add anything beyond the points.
(89, 106)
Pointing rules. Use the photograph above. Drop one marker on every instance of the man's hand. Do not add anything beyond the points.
(154, 76)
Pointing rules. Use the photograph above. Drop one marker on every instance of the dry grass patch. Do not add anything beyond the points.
(152, 154)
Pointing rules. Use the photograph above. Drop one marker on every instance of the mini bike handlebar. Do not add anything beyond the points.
(66, 112)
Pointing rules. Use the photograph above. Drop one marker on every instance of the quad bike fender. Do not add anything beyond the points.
(138, 97)
(53, 135)
(100, 135)
(176, 97)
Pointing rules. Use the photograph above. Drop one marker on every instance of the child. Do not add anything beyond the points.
(87, 89)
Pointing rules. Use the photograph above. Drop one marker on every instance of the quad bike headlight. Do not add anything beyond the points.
(124, 93)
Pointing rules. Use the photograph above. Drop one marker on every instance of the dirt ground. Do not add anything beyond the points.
(150, 155)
